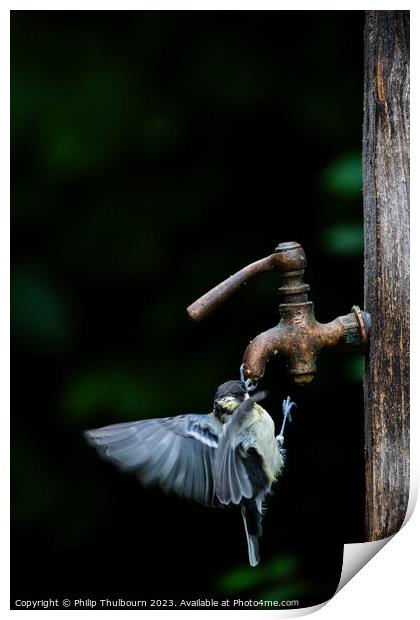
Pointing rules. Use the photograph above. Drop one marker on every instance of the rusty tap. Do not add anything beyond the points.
(298, 337)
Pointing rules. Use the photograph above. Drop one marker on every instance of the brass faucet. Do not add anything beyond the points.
(298, 337)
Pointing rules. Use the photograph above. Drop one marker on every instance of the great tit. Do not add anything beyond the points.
(228, 456)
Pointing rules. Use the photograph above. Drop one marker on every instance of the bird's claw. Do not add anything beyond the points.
(287, 406)
(248, 384)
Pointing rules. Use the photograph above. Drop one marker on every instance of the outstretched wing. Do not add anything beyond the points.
(174, 453)
(232, 471)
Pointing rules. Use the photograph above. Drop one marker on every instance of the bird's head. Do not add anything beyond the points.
(228, 397)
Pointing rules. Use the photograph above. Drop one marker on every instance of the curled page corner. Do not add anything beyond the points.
(356, 556)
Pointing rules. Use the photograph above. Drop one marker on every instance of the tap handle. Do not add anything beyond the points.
(288, 257)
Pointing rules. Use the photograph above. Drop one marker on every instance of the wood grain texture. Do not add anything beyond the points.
(386, 216)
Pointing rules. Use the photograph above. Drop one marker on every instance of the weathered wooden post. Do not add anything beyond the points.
(386, 216)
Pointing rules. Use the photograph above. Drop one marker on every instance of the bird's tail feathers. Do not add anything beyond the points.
(252, 518)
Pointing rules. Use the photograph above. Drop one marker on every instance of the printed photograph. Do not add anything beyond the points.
(209, 304)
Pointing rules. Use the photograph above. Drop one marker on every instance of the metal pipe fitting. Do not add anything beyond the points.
(298, 337)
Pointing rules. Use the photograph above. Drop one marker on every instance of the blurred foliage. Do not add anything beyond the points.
(248, 578)
(39, 316)
(276, 580)
(344, 239)
(101, 390)
(153, 154)
(355, 368)
(344, 175)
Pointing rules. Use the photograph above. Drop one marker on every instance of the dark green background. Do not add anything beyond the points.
(153, 154)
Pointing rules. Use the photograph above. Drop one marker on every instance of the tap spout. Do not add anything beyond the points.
(299, 338)
(272, 342)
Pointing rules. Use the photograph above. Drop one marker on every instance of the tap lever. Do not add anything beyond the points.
(289, 260)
